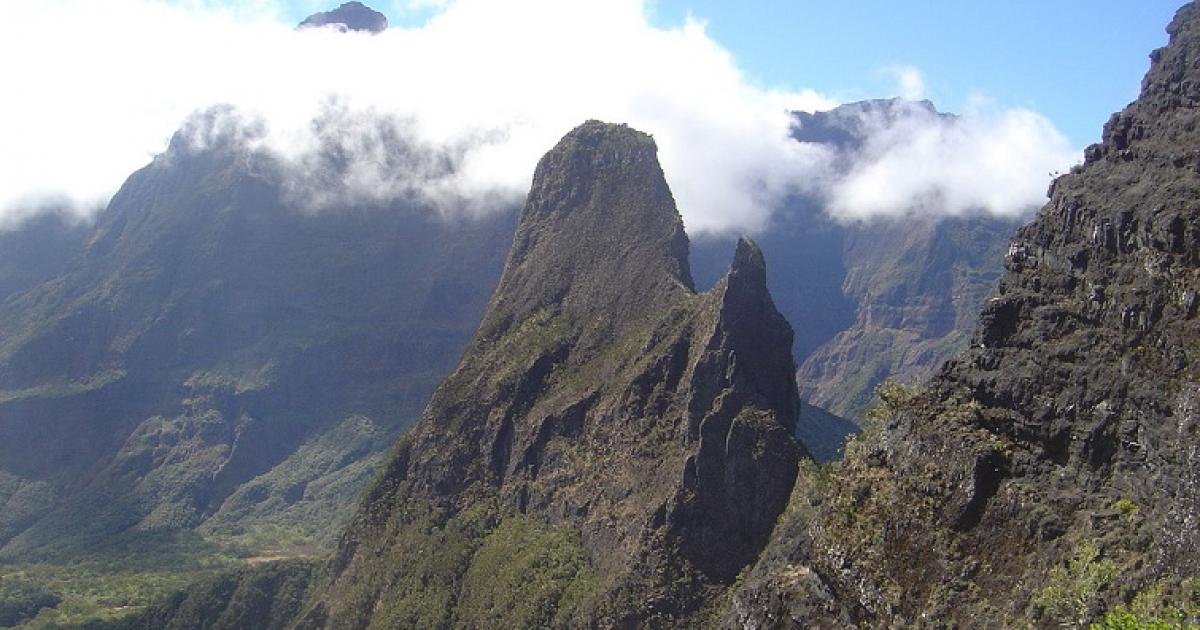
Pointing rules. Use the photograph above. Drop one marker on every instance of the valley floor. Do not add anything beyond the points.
(115, 583)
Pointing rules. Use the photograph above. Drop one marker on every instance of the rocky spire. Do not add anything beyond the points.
(599, 233)
(604, 405)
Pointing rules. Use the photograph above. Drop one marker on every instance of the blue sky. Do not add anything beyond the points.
(1075, 61)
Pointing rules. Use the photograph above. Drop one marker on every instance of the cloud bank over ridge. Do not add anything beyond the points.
(988, 160)
(477, 94)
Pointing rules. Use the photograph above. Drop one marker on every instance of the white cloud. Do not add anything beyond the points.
(989, 160)
(94, 90)
(909, 81)
(103, 85)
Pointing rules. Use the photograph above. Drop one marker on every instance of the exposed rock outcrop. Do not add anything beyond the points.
(613, 447)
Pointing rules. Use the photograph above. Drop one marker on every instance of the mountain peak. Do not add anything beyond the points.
(1170, 92)
(583, 160)
(600, 230)
(847, 126)
(350, 16)
(1174, 67)
(647, 427)
(749, 262)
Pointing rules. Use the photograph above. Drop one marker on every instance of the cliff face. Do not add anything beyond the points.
(918, 285)
(1052, 470)
(915, 284)
(613, 447)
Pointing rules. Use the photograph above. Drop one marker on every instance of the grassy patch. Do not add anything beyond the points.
(1072, 591)
(64, 389)
(1125, 507)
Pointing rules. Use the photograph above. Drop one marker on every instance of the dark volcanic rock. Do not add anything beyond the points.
(613, 447)
(987, 499)
(350, 16)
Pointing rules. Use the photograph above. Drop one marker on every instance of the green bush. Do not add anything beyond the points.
(1125, 506)
(1153, 609)
(1124, 619)
(527, 574)
(892, 396)
(1072, 591)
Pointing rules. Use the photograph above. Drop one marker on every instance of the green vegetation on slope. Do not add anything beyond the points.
(264, 597)
(1163, 606)
(207, 351)
(526, 574)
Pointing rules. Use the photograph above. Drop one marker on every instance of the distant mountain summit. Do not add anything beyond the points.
(351, 16)
(847, 126)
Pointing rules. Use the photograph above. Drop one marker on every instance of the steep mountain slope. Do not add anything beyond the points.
(36, 250)
(1052, 469)
(215, 356)
(613, 447)
(917, 285)
(157, 368)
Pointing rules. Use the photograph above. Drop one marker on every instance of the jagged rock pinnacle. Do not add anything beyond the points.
(749, 266)
(603, 399)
